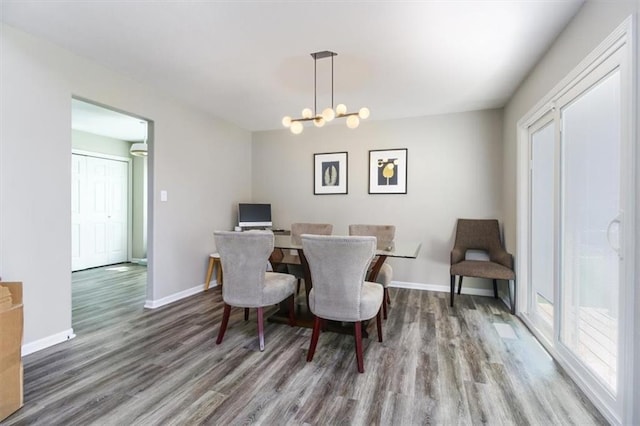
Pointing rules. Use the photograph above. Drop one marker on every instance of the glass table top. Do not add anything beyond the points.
(405, 249)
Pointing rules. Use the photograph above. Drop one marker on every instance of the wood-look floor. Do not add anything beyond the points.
(437, 365)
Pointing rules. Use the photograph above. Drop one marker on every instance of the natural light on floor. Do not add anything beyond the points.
(595, 338)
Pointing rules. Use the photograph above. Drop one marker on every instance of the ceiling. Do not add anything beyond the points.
(248, 62)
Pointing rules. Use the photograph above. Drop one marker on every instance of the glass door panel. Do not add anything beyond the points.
(590, 266)
(542, 227)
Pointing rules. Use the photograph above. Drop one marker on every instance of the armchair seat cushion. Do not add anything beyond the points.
(277, 287)
(385, 275)
(482, 269)
(370, 301)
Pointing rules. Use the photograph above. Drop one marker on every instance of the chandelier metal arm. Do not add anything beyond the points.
(347, 114)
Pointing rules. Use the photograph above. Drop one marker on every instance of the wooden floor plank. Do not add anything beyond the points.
(437, 365)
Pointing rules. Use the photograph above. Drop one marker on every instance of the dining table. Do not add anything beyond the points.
(304, 316)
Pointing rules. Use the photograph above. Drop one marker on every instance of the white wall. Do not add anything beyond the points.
(454, 170)
(593, 23)
(100, 144)
(193, 157)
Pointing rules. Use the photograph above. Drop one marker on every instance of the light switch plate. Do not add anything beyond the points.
(163, 195)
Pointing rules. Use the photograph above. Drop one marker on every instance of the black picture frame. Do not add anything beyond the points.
(388, 171)
(330, 173)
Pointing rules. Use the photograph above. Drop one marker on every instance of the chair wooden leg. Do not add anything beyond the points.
(225, 321)
(358, 336)
(388, 297)
(314, 338)
(246, 314)
(261, 328)
(453, 287)
(495, 288)
(292, 311)
(379, 325)
(459, 284)
(207, 279)
(298, 288)
(384, 304)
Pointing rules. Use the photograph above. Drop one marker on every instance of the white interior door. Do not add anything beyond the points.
(99, 211)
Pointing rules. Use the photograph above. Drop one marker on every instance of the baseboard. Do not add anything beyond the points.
(153, 304)
(48, 341)
(441, 288)
(139, 261)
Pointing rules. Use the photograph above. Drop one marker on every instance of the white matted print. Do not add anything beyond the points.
(388, 171)
(330, 173)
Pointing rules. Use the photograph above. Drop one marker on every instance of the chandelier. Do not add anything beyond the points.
(328, 114)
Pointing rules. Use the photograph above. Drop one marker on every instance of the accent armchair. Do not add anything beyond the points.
(246, 283)
(481, 234)
(338, 267)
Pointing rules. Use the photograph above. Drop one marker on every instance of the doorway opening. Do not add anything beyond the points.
(109, 207)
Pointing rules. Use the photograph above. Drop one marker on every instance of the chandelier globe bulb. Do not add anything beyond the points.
(328, 114)
(307, 113)
(353, 121)
(296, 127)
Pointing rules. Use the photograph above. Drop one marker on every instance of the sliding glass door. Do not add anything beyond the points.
(578, 251)
(590, 222)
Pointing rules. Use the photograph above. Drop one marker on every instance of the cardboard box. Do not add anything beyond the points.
(11, 323)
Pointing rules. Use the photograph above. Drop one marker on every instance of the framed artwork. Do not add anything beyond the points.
(388, 171)
(330, 173)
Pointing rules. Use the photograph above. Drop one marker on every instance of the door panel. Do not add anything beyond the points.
(99, 211)
(591, 210)
(542, 228)
(117, 212)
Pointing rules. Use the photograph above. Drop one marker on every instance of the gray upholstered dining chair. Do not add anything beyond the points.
(481, 234)
(338, 266)
(291, 259)
(246, 283)
(385, 234)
